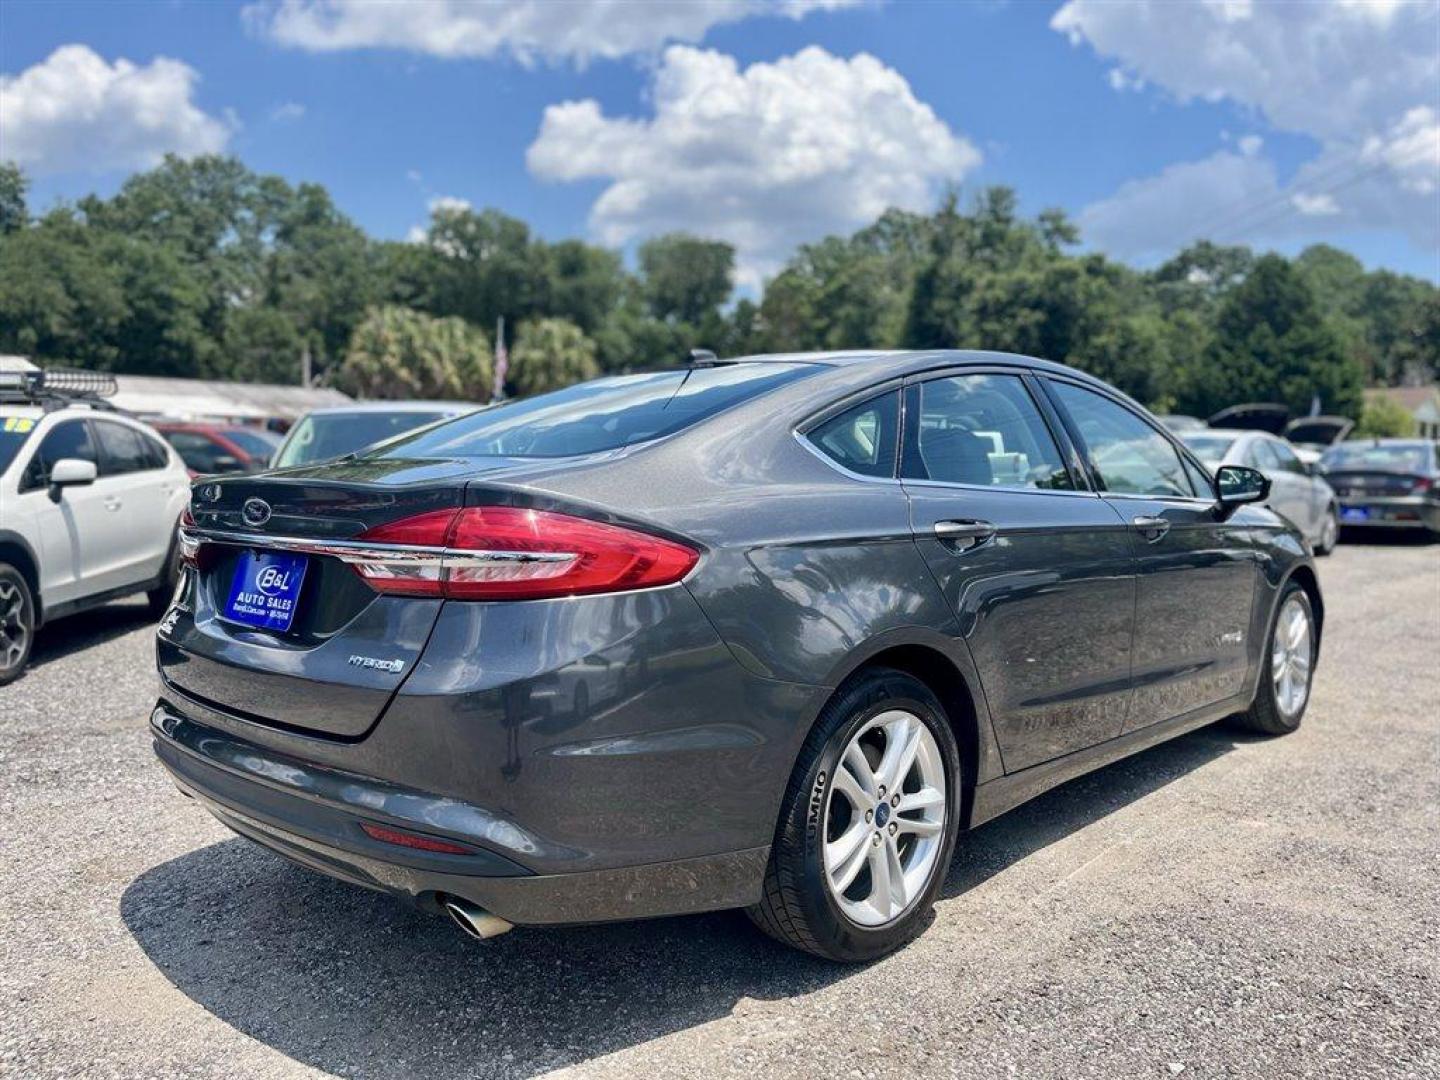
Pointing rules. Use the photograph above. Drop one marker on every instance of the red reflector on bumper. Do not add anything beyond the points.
(413, 840)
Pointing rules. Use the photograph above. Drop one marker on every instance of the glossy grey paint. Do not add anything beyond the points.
(699, 695)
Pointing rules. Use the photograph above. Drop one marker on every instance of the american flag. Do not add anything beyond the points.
(502, 361)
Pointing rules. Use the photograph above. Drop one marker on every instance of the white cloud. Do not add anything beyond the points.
(765, 158)
(287, 113)
(75, 112)
(1321, 205)
(451, 203)
(1356, 77)
(580, 30)
(1250, 145)
(1151, 218)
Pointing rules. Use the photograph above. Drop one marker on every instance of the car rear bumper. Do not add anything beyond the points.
(1398, 512)
(312, 815)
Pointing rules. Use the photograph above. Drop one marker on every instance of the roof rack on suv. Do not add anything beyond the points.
(56, 388)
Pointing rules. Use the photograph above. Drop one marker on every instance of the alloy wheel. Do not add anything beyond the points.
(1330, 531)
(885, 818)
(14, 633)
(1291, 655)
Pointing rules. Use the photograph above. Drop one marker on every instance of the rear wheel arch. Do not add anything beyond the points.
(15, 551)
(948, 683)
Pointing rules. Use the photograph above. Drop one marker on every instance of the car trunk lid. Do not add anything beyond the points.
(348, 649)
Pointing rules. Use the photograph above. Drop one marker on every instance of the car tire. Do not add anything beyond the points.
(1329, 532)
(801, 904)
(17, 623)
(1275, 710)
(159, 597)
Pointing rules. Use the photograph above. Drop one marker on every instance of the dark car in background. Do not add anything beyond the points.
(1386, 483)
(828, 611)
(323, 434)
(219, 448)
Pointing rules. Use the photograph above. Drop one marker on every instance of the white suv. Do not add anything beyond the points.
(89, 501)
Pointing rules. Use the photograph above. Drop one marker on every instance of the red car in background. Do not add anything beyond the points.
(220, 448)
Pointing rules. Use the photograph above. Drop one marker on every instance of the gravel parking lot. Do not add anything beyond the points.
(1219, 906)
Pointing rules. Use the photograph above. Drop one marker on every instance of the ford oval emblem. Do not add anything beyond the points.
(255, 512)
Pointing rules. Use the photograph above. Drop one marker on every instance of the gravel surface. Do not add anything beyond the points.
(1218, 906)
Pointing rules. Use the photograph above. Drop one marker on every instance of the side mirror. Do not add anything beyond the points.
(70, 472)
(1240, 484)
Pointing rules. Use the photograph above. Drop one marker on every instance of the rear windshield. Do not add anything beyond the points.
(603, 414)
(1210, 449)
(1393, 457)
(332, 435)
(14, 430)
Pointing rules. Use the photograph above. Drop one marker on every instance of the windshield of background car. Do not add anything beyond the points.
(252, 442)
(14, 430)
(1386, 457)
(332, 435)
(1210, 449)
(603, 414)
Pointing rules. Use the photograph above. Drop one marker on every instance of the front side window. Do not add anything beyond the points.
(1129, 456)
(70, 439)
(863, 439)
(982, 430)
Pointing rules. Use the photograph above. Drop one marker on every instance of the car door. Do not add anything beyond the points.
(70, 560)
(1309, 495)
(1289, 493)
(1038, 569)
(136, 493)
(1197, 572)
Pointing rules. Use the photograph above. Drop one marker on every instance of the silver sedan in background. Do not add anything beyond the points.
(1297, 490)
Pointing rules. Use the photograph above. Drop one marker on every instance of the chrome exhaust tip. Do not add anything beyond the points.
(474, 920)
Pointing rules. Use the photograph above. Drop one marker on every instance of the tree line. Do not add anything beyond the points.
(203, 268)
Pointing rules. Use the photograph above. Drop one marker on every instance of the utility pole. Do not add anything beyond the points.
(305, 366)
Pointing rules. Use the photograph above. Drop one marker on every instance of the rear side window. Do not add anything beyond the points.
(1128, 455)
(603, 414)
(122, 449)
(982, 430)
(200, 453)
(70, 439)
(863, 439)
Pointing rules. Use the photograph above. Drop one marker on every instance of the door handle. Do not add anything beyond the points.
(964, 535)
(112, 503)
(1153, 527)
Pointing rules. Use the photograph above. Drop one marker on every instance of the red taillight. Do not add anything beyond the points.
(1422, 484)
(509, 553)
(189, 547)
(413, 840)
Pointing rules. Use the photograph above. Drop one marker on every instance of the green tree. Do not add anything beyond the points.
(399, 353)
(549, 354)
(1382, 418)
(1271, 343)
(14, 214)
(686, 279)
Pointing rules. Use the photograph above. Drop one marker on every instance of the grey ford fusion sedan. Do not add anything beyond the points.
(765, 633)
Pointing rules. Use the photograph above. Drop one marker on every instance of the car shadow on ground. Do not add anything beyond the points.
(57, 640)
(359, 985)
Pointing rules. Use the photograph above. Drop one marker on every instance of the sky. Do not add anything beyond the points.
(766, 123)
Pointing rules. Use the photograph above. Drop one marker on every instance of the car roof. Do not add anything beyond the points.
(901, 362)
(31, 412)
(396, 407)
(1233, 433)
